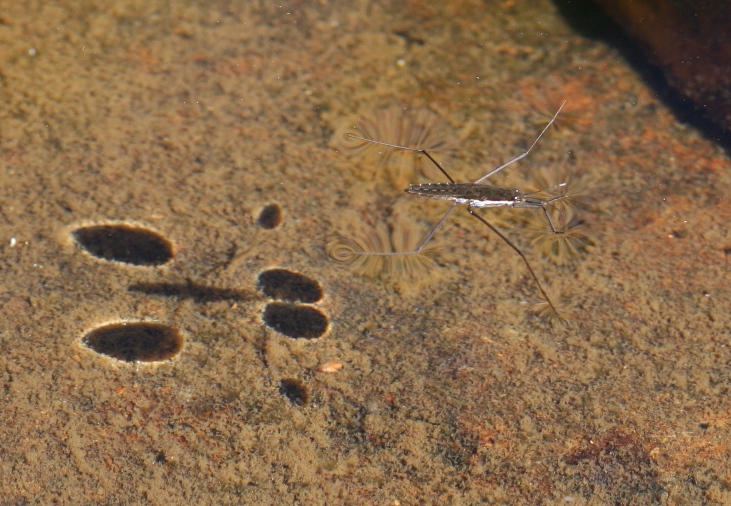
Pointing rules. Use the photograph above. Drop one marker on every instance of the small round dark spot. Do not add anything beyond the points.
(291, 286)
(703, 426)
(124, 243)
(295, 320)
(270, 217)
(160, 458)
(294, 390)
(135, 342)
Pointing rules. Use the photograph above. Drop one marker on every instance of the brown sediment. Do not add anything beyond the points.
(192, 119)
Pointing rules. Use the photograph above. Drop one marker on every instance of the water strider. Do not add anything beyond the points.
(476, 195)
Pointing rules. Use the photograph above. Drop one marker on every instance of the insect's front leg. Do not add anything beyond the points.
(548, 217)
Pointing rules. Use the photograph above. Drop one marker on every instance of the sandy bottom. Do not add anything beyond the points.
(254, 369)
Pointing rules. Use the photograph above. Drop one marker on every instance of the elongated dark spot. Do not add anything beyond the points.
(295, 320)
(291, 286)
(124, 243)
(135, 341)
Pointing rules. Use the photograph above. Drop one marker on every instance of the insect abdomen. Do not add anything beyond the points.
(463, 193)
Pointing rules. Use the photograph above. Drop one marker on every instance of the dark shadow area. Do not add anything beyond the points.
(295, 320)
(128, 244)
(270, 217)
(288, 285)
(590, 21)
(195, 291)
(135, 341)
(294, 390)
(619, 464)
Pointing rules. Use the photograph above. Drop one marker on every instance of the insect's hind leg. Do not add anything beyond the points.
(522, 255)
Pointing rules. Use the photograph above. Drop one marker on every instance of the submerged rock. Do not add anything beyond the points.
(690, 42)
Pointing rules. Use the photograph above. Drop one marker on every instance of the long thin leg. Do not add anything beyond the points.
(417, 150)
(546, 190)
(527, 264)
(550, 203)
(421, 245)
(520, 157)
(436, 227)
(548, 216)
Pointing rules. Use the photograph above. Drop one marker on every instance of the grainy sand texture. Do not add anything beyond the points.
(228, 359)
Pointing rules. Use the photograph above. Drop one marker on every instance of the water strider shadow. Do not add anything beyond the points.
(194, 291)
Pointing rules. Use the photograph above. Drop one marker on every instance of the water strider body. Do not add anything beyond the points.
(476, 195)
(483, 195)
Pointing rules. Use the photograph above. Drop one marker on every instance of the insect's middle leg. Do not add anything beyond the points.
(523, 155)
(428, 237)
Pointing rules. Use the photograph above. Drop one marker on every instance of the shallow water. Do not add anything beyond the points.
(191, 119)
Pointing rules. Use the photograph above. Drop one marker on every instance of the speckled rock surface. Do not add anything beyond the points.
(441, 386)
